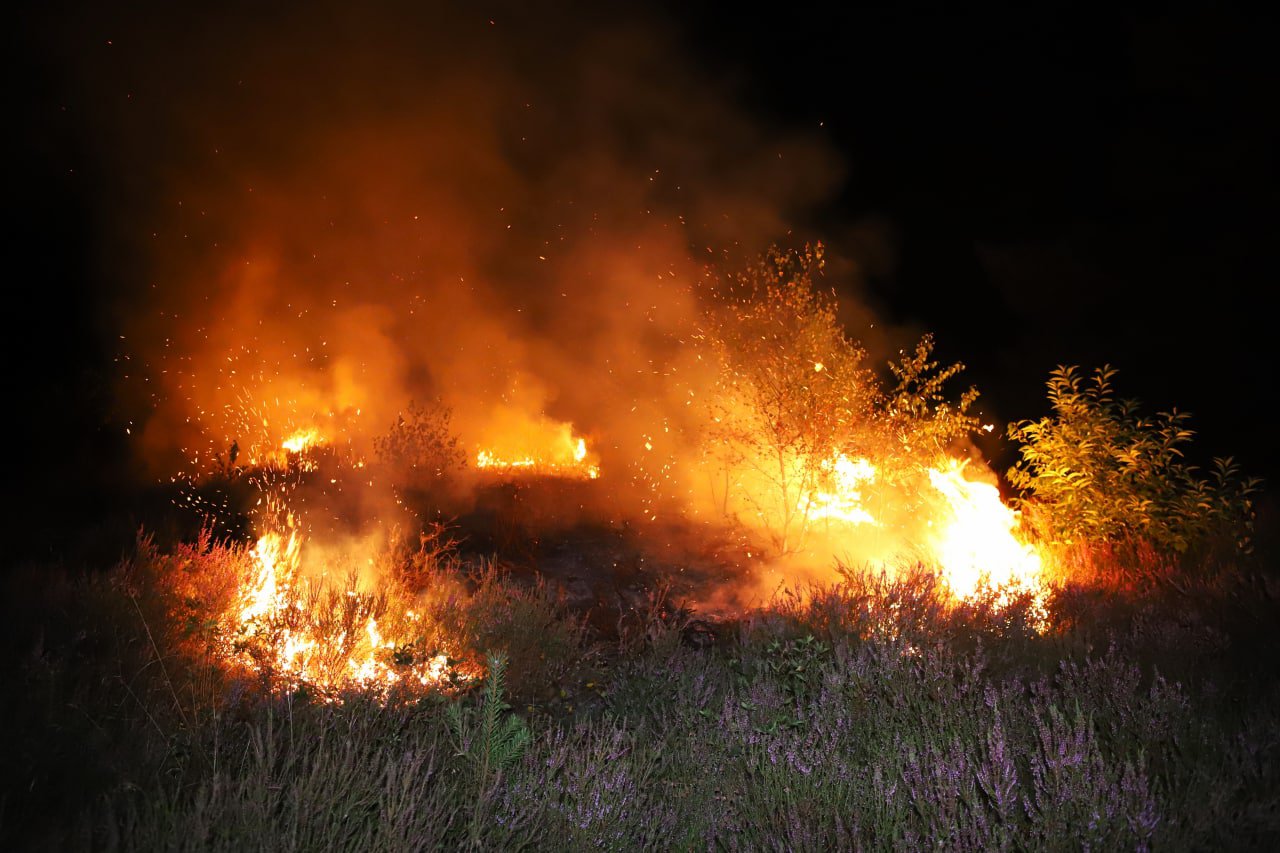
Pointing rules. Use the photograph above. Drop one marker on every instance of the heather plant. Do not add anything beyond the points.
(1099, 470)
(595, 787)
(655, 620)
(546, 647)
(296, 777)
(335, 613)
(866, 715)
(1077, 797)
(433, 563)
(666, 686)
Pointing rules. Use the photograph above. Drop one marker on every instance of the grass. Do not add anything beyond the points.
(865, 715)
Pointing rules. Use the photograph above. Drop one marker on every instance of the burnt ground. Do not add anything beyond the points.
(608, 567)
(611, 569)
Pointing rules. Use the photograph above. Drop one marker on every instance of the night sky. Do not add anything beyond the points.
(1063, 187)
(1051, 187)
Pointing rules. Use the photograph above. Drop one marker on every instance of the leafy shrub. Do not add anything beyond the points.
(1100, 470)
(916, 413)
(420, 448)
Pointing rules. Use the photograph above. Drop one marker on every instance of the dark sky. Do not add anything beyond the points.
(1049, 187)
(1064, 187)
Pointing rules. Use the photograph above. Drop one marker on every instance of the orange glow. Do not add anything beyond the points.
(280, 627)
(302, 440)
(975, 539)
(844, 501)
(554, 452)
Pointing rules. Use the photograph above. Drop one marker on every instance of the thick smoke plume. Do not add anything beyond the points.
(321, 217)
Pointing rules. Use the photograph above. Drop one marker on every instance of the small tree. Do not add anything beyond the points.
(488, 739)
(1100, 470)
(792, 395)
(420, 447)
(791, 389)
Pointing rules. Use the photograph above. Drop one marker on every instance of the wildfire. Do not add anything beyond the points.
(975, 537)
(303, 631)
(566, 455)
(295, 451)
(969, 533)
(302, 441)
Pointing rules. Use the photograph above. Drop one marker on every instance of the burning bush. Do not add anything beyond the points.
(791, 391)
(800, 430)
(798, 425)
(256, 610)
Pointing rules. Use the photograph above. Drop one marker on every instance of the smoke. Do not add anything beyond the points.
(319, 217)
(315, 221)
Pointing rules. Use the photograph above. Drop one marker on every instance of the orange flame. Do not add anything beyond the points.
(557, 452)
(302, 440)
(975, 539)
(969, 534)
(277, 560)
(287, 642)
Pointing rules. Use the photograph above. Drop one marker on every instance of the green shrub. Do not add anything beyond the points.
(1099, 470)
